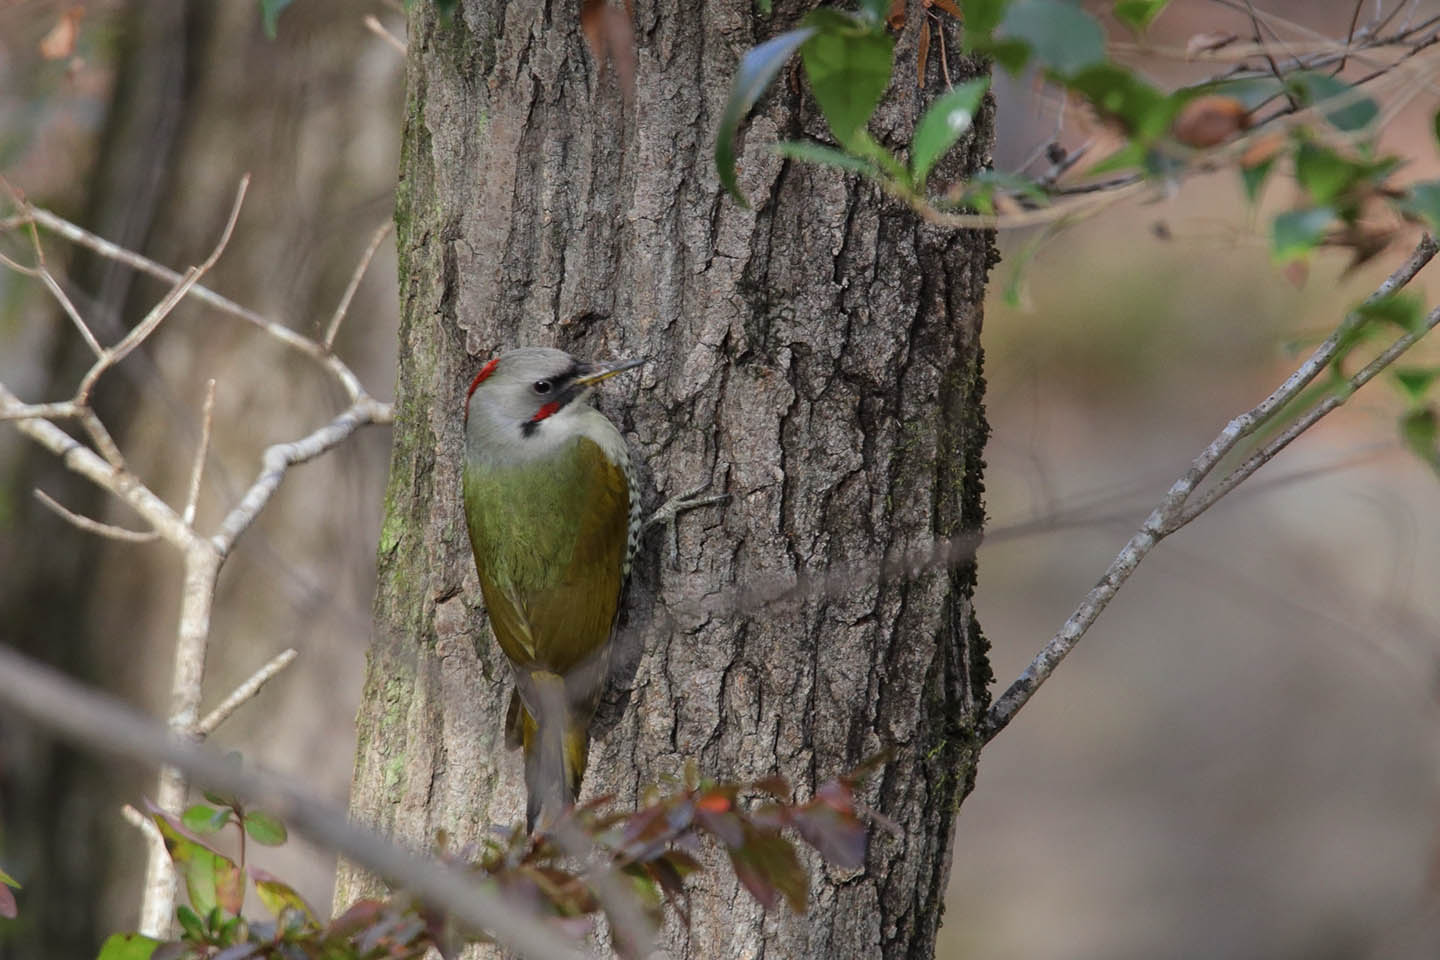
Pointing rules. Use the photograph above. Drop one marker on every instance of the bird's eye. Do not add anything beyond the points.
(542, 386)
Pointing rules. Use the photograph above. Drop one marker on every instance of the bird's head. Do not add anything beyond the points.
(522, 389)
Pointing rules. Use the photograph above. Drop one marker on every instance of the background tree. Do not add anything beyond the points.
(816, 358)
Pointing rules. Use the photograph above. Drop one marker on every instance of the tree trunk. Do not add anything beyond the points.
(817, 358)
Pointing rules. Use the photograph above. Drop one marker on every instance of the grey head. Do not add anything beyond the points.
(526, 401)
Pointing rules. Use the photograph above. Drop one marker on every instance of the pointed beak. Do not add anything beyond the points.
(601, 371)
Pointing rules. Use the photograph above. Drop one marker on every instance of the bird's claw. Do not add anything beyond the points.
(668, 511)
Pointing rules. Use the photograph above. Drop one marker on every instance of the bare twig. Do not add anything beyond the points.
(245, 692)
(1175, 508)
(207, 415)
(161, 310)
(99, 723)
(280, 457)
(373, 24)
(84, 461)
(354, 284)
(94, 526)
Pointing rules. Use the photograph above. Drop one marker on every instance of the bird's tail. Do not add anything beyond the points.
(556, 742)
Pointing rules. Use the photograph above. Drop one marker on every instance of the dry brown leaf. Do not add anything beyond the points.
(1210, 120)
(1262, 149)
(896, 19)
(59, 43)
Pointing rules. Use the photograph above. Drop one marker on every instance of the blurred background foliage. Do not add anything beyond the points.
(1239, 760)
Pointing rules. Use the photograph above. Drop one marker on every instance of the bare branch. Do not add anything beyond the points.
(1175, 509)
(99, 723)
(244, 693)
(281, 456)
(198, 470)
(94, 526)
(354, 284)
(373, 24)
(279, 331)
(92, 467)
(64, 410)
(161, 310)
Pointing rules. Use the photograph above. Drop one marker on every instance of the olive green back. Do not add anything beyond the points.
(549, 539)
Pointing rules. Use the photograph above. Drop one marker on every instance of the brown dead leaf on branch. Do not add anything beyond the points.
(610, 34)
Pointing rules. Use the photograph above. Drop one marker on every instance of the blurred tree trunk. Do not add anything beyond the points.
(201, 96)
(816, 358)
(58, 811)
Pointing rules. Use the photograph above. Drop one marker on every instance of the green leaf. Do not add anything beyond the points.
(1118, 94)
(848, 65)
(1064, 37)
(264, 828)
(1415, 382)
(269, 13)
(756, 71)
(190, 923)
(9, 881)
(1420, 431)
(128, 946)
(1137, 14)
(1253, 178)
(1354, 111)
(1400, 309)
(947, 120)
(818, 153)
(1323, 173)
(1296, 232)
(981, 190)
(203, 818)
(1423, 200)
(279, 897)
(982, 17)
(1129, 157)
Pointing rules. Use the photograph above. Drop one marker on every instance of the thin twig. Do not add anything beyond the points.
(373, 24)
(161, 310)
(1169, 515)
(99, 723)
(245, 692)
(281, 456)
(354, 284)
(207, 414)
(94, 526)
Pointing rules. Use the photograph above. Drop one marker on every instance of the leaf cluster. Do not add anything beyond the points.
(560, 876)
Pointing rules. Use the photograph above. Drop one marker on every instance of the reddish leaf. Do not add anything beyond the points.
(361, 914)
(777, 786)
(922, 59)
(768, 867)
(9, 909)
(837, 834)
(229, 886)
(716, 801)
(726, 827)
(611, 37)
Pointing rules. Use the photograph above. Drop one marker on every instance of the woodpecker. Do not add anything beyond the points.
(553, 513)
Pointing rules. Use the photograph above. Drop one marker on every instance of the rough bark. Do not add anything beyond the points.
(816, 358)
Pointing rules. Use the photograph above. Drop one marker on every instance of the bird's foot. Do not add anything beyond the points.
(667, 512)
